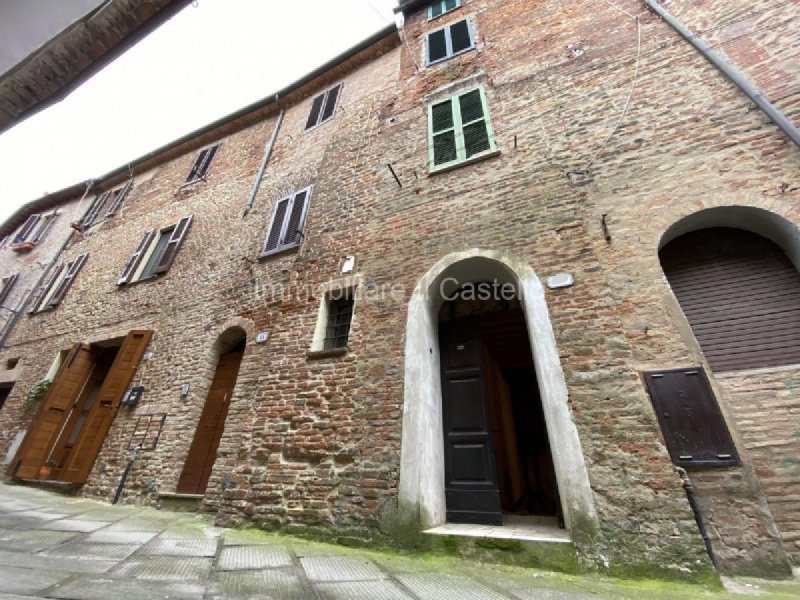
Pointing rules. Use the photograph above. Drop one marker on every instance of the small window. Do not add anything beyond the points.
(12, 363)
(155, 252)
(340, 314)
(323, 107)
(201, 164)
(450, 41)
(106, 204)
(55, 285)
(43, 227)
(286, 228)
(24, 233)
(439, 7)
(5, 286)
(459, 129)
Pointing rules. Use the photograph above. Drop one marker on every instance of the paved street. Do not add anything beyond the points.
(61, 547)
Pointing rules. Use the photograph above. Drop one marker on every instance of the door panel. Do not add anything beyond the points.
(203, 451)
(52, 414)
(105, 407)
(471, 490)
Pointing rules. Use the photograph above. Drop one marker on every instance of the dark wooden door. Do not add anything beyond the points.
(203, 451)
(471, 489)
(104, 409)
(52, 414)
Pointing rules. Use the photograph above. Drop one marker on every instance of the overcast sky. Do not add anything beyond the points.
(208, 61)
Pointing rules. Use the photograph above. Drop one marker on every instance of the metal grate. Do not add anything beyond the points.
(340, 313)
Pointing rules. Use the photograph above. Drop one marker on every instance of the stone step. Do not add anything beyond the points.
(181, 502)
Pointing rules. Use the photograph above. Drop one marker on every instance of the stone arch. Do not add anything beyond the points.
(421, 486)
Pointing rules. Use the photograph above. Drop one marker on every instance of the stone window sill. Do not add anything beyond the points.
(464, 163)
(320, 354)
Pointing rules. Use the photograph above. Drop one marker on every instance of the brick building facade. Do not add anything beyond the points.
(300, 272)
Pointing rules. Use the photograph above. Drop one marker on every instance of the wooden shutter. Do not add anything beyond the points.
(443, 133)
(119, 198)
(27, 228)
(473, 123)
(273, 238)
(316, 107)
(690, 419)
(95, 208)
(171, 249)
(41, 292)
(297, 215)
(44, 228)
(52, 413)
(136, 258)
(331, 98)
(105, 407)
(740, 294)
(7, 283)
(72, 270)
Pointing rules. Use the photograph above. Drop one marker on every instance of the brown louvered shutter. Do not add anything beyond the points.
(41, 292)
(72, 270)
(297, 216)
(52, 413)
(273, 238)
(44, 228)
(119, 198)
(27, 227)
(136, 258)
(316, 107)
(105, 407)
(95, 208)
(690, 419)
(171, 249)
(740, 294)
(330, 102)
(7, 283)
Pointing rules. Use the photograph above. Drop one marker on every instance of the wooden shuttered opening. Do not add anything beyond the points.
(202, 163)
(323, 107)
(740, 294)
(119, 198)
(72, 271)
(27, 228)
(286, 227)
(94, 210)
(105, 407)
(176, 238)
(690, 419)
(41, 292)
(316, 107)
(52, 413)
(5, 286)
(136, 258)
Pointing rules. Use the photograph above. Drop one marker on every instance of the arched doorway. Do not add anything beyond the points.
(203, 451)
(421, 494)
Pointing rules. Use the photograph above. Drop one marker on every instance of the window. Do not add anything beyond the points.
(33, 231)
(106, 204)
(439, 7)
(5, 286)
(155, 252)
(55, 285)
(323, 107)
(450, 41)
(286, 228)
(24, 232)
(690, 419)
(202, 163)
(340, 313)
(459, 129)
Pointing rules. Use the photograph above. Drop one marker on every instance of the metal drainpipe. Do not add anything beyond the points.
(735, 76)
(698, 517)
(264, 161)
(18, 313)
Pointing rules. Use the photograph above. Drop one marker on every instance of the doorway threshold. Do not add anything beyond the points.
(523, 529)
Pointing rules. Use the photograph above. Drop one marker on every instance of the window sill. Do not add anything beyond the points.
(188, 186)
(446, 58)
(321, 123)
(277, 251)
(140, 280)
(464, 163)
(332, 353)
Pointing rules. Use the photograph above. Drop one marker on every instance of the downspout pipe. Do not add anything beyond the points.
(264, 161)
(731, 73)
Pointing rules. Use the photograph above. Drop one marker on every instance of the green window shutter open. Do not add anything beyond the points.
(459, 128)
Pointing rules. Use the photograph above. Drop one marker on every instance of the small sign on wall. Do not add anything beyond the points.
(133, 396)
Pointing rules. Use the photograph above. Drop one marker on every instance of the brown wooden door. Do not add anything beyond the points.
(203, 451)
(471, 489)
(52, 413)
(98, 422)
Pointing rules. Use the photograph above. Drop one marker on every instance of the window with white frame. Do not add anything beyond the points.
(202, 163)
(440, 7)
(286, 227)
(107, 204)
(323, 107)
(155, 252)
(449, 41)
(55, 285)
(459, 129)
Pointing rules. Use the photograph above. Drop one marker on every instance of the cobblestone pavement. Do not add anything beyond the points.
(54, 546)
